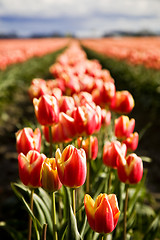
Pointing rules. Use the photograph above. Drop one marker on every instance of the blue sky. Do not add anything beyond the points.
(84, 18)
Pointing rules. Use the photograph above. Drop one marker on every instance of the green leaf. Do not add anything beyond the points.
(44, 212)
(136, 194)
(146, 159)
(20, 196)
(72, 229)
(153, 229)
(34, 219)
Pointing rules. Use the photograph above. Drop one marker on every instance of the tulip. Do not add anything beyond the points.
(37, 88)
(66, 103)
(85, 119)
(30, 168)
(27, 140)
(123, 102)
(103, 213)
(50, 179)
(124, 127)
(63, 131)
(85, 145)
(105, 117)
(130, 169)
(132, 141)
(110, 154)
(71, 166)
(109, 92)
(46, 109)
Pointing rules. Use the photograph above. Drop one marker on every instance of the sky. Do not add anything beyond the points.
(84, 18)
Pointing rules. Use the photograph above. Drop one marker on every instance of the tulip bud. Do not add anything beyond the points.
(103, 213)
(124, 127)
(130, 169)
(46, 109)
(27, 140)
(110, 154)
(30, 168)
(50, 179)
(71, 166)
(85, 145)
(132, 141)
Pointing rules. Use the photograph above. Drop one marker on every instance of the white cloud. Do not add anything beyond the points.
(90, 15)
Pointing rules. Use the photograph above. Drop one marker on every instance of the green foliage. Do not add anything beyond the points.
(17, 77)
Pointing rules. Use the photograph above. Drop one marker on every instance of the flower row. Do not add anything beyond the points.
(19, 50)
(73, 109)
(143, 50)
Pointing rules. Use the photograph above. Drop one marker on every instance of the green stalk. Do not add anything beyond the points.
(74, 201)
(109, 181)
(50, 140)
(44, 231)
(125, 214)
(55, 235)
(88, 166)
(30, 219)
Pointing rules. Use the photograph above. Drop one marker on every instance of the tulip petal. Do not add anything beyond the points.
(90, 211)
(104, 221)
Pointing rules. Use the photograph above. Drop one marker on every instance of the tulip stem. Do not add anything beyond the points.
(125, 214)
(88, 166)
(30, 219)
(109, 181)
(44, 231)
(50, 140)
(74, 201)
(55, 235)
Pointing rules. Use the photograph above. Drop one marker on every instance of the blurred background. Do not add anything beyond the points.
(85, 18)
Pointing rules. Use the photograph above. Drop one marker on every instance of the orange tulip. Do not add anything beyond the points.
(27, 140)
(50, 179)
(30, 168)
(103, 213)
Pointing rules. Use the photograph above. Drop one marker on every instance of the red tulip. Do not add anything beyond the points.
(50, 179)
(85, 145)
(132, 141)
(71, 166)
(124, 127)
(109, 92)
(62, 131)
(123, 102)
(106, 117)
(37, 88)
(46, 109)
(103, 213)
(110, 154)
(66, 103)
(130, 169)
(27, 140)
(30, 168)
(85, 120)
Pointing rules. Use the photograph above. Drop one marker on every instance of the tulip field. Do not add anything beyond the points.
(79, 139)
